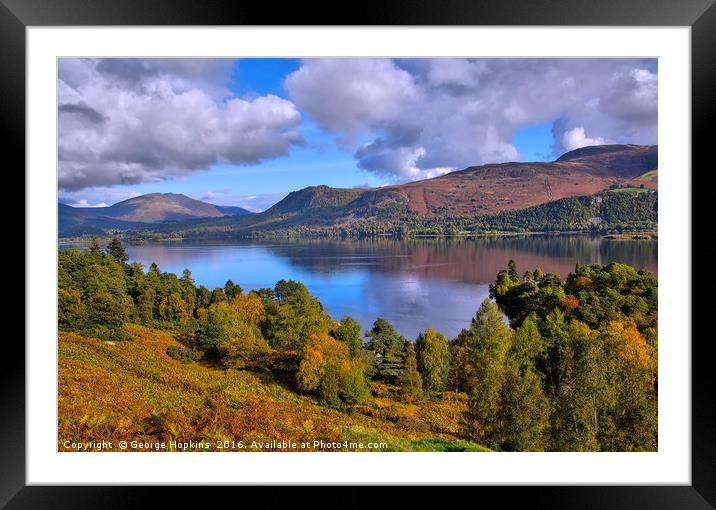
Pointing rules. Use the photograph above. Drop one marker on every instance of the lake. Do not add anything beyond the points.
(414, 284)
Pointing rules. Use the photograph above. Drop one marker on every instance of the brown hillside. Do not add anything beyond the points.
(492, 188)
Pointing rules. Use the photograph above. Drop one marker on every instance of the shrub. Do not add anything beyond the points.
(246, 353)
(183, 354)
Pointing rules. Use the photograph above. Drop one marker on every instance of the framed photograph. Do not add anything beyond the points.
(429, 247)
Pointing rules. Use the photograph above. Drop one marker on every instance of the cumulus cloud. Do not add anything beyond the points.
(575, 138)
(416, 118)
(85, 203)
(96, 197)
(128, 121)
(351, 96)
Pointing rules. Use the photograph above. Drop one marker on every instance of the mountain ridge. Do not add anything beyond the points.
(139, 211)
(473, 192)
(479, 190)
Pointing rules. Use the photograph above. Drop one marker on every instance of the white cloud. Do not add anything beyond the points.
(85, 203)
(414, 118)
(575, 138)
(96, 196)
(352, 96)
(127, 121)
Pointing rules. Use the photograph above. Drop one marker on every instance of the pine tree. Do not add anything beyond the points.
(116, 249)
(388, 349)
(231, 289)
(512, 271)
(188, 289)
(95, 252)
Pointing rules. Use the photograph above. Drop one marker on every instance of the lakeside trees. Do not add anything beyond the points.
(546, 364)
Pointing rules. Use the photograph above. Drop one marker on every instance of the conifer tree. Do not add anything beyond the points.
(512, 271)
(388, 349)
(116, 249)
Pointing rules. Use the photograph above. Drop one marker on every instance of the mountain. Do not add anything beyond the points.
(139, 211)
(477, 191)
(486, 191)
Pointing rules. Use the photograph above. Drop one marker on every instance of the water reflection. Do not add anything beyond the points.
(414, 284)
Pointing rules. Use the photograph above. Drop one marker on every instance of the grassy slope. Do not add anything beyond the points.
(134, 391)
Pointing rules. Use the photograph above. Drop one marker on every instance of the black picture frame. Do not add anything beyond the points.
(700, 15)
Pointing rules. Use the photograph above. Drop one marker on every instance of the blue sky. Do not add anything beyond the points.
(343, 123)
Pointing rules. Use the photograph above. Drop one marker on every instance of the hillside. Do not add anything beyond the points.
(480, 196)
(228, 368)
(486, 189)
(567, 194)
(133, 390)
(134, 212)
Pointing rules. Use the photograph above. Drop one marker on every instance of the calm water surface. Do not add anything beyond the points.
(414, 284)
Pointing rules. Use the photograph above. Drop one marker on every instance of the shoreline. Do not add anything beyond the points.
(622, 236)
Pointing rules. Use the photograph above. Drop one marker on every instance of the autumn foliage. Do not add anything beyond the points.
(147, 355)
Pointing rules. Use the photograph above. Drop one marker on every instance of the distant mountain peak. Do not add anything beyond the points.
(136, 211)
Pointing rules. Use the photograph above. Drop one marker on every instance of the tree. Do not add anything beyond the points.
(488, 342)
(174, 309)
(220, 327)
(459, 373)
(527, 343)
(433, 360)
(524, 411)
(632, 420)
(94, 251)
(217, 296)
(349, 333)
(145, 305)
(327, 369)
(388, 349)
(411, 381)
(554, 340)
(584, 395)
(512, 271)
(105, 311)
(203, 297)
(290, 292)
(292, 315)
(70, 310)
(188, 290)
(231, 290)
(116, 249)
